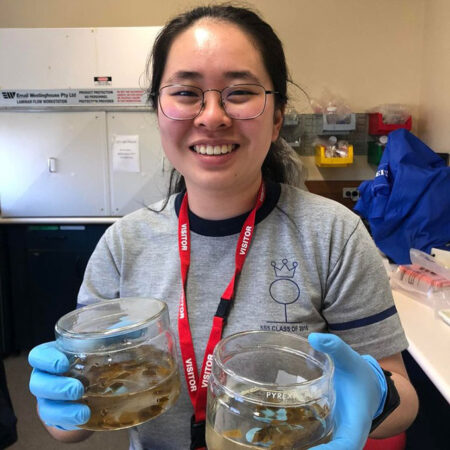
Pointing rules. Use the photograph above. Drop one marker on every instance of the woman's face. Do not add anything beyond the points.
(214, 55)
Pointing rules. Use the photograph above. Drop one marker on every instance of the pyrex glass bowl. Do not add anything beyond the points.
(269, 390)
(123, 352)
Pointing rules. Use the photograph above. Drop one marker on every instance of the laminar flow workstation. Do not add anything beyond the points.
(79, 147)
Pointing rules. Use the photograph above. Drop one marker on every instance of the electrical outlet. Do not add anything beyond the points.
(351, 193)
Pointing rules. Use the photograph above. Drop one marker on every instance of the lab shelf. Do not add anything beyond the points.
(330, 126)
(374, 152)
(323, 161)
(378, 128)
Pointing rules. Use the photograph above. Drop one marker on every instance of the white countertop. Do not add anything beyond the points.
(57, 220)
(429, 340)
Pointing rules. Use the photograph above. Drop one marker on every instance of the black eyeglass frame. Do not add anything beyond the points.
(222, 103)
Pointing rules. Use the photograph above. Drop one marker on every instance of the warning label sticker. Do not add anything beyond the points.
(73, 97)
(96, 97)
(102, 81)
(130, 96)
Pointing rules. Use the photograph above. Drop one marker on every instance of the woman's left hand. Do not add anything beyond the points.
(361, 390)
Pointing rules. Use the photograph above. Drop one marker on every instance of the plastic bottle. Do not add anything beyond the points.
(331, 114)
(330, 149)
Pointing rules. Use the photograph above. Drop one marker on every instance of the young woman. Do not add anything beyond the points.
(218, 84)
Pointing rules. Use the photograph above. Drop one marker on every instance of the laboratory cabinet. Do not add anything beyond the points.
(77, 163)
(5, 304)
(53, 164)
(45, 265)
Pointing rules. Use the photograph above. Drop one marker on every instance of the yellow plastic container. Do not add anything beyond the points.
(323, 161)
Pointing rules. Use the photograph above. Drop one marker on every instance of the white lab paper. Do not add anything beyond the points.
(125, 151)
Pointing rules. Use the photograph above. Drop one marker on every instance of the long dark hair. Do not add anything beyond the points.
(278, 165)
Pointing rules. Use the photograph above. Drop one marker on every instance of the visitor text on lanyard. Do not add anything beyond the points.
(197, 385)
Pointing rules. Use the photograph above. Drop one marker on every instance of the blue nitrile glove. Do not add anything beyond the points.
(361, 391)
(55, 393)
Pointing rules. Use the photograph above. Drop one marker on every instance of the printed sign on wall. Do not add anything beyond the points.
(125, 150)
(35, 98)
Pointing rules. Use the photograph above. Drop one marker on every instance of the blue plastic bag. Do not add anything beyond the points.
(407, 204)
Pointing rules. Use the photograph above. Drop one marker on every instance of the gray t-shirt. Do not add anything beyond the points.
(311, 266)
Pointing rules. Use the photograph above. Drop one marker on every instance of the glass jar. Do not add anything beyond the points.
(123, 352)
(269, 390)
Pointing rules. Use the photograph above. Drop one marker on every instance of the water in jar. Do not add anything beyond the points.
(234, 423)
(126, 391)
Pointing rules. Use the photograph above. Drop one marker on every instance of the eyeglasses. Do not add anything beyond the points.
(240, 101)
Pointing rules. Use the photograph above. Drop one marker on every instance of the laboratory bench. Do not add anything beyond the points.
(428, 363)
(429, 340)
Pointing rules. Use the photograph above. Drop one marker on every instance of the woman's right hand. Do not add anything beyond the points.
(56, 394)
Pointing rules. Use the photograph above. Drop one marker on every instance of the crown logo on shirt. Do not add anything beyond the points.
(284, 271)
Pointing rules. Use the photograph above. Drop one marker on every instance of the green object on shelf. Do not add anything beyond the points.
(374, 153)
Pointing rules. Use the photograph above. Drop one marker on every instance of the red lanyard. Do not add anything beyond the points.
(198, 386)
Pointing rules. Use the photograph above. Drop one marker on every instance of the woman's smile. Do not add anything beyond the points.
(213, 149)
